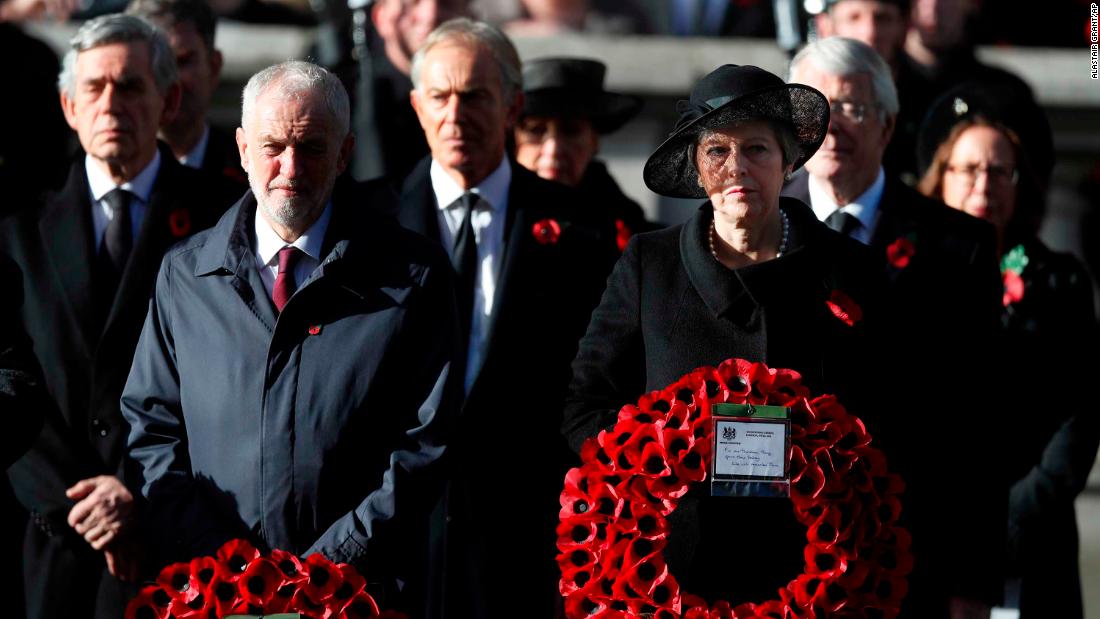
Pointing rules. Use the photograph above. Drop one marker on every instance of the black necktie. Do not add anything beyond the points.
(464, 259)
(114, 250)
(844, 223)
(118, 238)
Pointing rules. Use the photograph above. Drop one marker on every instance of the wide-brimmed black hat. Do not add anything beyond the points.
(1005, 103)
(574, 87)
(728, 95)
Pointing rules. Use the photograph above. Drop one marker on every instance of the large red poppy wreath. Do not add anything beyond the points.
(614, 508)
(241, 581)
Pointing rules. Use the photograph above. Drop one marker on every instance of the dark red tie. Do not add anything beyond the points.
(284, 281)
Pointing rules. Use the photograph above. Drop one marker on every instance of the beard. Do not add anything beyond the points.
(294, 213)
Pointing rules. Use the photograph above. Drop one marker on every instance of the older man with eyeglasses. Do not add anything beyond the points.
(943, 270)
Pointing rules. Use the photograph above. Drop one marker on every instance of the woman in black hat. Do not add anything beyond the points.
(565, 111)
(979, 153)
(750, 275)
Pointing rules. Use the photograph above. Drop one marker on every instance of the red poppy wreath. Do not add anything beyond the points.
(241, 581)
(614, 508)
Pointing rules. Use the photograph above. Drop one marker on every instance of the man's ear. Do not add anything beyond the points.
(217, 61)
(242, 147)
(68, 108)
(888, 129)
(824, 23)
(346, 150)
(515, 109)
(171, 103)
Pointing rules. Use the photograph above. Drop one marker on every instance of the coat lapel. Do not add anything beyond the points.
(67, 235)
(418, 211)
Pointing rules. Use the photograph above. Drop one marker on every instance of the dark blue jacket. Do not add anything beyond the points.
(316, 430)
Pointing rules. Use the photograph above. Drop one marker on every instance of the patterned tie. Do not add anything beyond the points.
(118, 238)
(464, 260)
(844, 223)
(284, 281)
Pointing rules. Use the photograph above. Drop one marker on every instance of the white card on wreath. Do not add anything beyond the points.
(750, 449)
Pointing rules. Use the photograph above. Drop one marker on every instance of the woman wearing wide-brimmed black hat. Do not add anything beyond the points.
(565, 111)
(988, 155)
(750, 275)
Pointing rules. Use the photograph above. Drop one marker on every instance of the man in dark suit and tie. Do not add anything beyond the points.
(946, 287)
(89, 256)
(530, 271)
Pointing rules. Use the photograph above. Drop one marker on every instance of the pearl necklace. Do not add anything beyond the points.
(782, 242)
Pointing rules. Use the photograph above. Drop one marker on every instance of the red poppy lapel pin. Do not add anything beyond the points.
(1012, 268)
(179, 222)
(900, 253)
(844, 308)
(622, 234)
(546, 231)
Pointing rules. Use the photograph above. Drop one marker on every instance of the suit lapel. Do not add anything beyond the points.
(67, 236)
(418, 211)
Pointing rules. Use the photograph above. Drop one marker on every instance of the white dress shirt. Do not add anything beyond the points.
(865, 207)
(268, 244)
(488, 224)
(195, 157)
(141, 187)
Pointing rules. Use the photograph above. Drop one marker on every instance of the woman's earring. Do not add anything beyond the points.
(788, 176)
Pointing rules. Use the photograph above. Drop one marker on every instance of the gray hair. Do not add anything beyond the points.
(846, 57)
(471, 32)
(117, 28)
(297, 79)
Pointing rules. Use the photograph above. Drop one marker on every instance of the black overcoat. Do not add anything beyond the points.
(669, 308)
(85, 365)
(945, 297)
(510, 457)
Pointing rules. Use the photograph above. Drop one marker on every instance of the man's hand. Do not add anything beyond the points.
(124, 559)
(27, 10)
(103, 509)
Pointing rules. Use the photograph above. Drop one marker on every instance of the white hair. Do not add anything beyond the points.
(846, 57)
(118, 28)
(297, 79)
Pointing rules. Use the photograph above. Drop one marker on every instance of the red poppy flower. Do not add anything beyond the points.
(362, 606)
(1014, 287)
(289, 564)
(323, 578)
(843, 307)
(259, 581)
(179, 221)
(546, 231)
(175, 579)
(583, 603)
(576, 533)
(151, 603)
(810, 482)
(224, 594)
(900, 252)
(198, 608)
(281, 600)
(234, 557)
(352, 585)
(203, 570)
(622, 234)
(302, 603)
(824, 561)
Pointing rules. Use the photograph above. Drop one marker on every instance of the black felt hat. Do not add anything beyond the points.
(725, 96)
(574, 87)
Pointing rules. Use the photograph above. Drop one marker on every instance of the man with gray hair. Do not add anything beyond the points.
(293, 381)
(89, 255)
(946, 285)
(531, 267)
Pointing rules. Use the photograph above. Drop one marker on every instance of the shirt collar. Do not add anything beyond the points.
(493, 190)
(268, 242)
(864, 207)
(141, 185)
(195, 157)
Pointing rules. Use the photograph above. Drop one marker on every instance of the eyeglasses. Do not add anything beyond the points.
(854, 112)
(998, 174)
